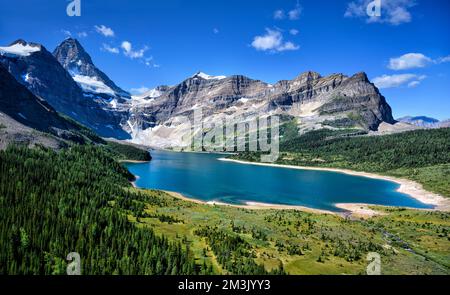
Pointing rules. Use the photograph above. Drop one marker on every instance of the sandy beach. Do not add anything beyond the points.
(133, 161)
(251, 205)
(359, 210)
(409, 187)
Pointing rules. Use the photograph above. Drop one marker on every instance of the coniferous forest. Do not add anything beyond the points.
(53, 203)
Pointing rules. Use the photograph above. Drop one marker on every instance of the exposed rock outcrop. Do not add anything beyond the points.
(22, 113)
(72, 56)
(38, 70)
(318, 102)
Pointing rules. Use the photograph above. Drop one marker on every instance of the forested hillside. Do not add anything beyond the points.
(53, 203)
(121, 151)
(422, 155)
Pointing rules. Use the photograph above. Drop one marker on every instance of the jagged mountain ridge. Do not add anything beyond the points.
(72, 56)
(318, 102)
(335, 101)
(21, 112)
(38, 70)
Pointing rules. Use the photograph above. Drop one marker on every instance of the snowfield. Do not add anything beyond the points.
(19, 49)
(208, 77)
(91, 84)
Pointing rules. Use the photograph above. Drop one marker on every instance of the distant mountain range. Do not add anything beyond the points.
(336, 101)
(69, 82)
(425, 122)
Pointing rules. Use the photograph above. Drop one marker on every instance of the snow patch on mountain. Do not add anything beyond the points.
(20, 49)
(162, 136)
(208, 77)
(113, 103)
(152, 93)
(26, 77)
(92, 84)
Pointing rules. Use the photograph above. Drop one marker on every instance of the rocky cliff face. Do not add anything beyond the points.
(19, 107)
(72, 56)
(37, 69)
(336, 101)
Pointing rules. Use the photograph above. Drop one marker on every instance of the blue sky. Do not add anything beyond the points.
(149, 43)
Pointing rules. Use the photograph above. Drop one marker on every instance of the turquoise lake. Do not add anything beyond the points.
(204, 177)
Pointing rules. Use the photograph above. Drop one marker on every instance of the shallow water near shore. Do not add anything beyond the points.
(203, 177)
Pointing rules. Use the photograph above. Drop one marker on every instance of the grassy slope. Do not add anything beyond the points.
(298, 239)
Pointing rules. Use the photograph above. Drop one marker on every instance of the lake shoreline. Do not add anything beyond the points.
(251, 205)
(351, 210)
(133, 161)
(408, 187)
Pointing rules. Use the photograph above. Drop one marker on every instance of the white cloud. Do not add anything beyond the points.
(149, 62)
(392, 81)
(394, 12)
(293, 32)
(413, 84)
(414, 60)
(67, 33)
(105, 31)
(128, 50)
(278, 14)
(399, 15)
(288, 46)
(443, 59)
(409, 61)
(139, 90)
(110, 49)
(82, 34)
(295, 13)
(272, 41)
(126, 46)
(292, 14)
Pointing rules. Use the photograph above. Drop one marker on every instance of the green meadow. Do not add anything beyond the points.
(409, 241)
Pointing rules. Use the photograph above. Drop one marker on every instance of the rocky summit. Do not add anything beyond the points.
(39, 71)
(335, 101)
(72, 56)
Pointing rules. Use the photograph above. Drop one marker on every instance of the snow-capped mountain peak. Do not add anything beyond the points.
(20, 48)
(207, 77)
(149, 96)
(152, 93)
(72, 56)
